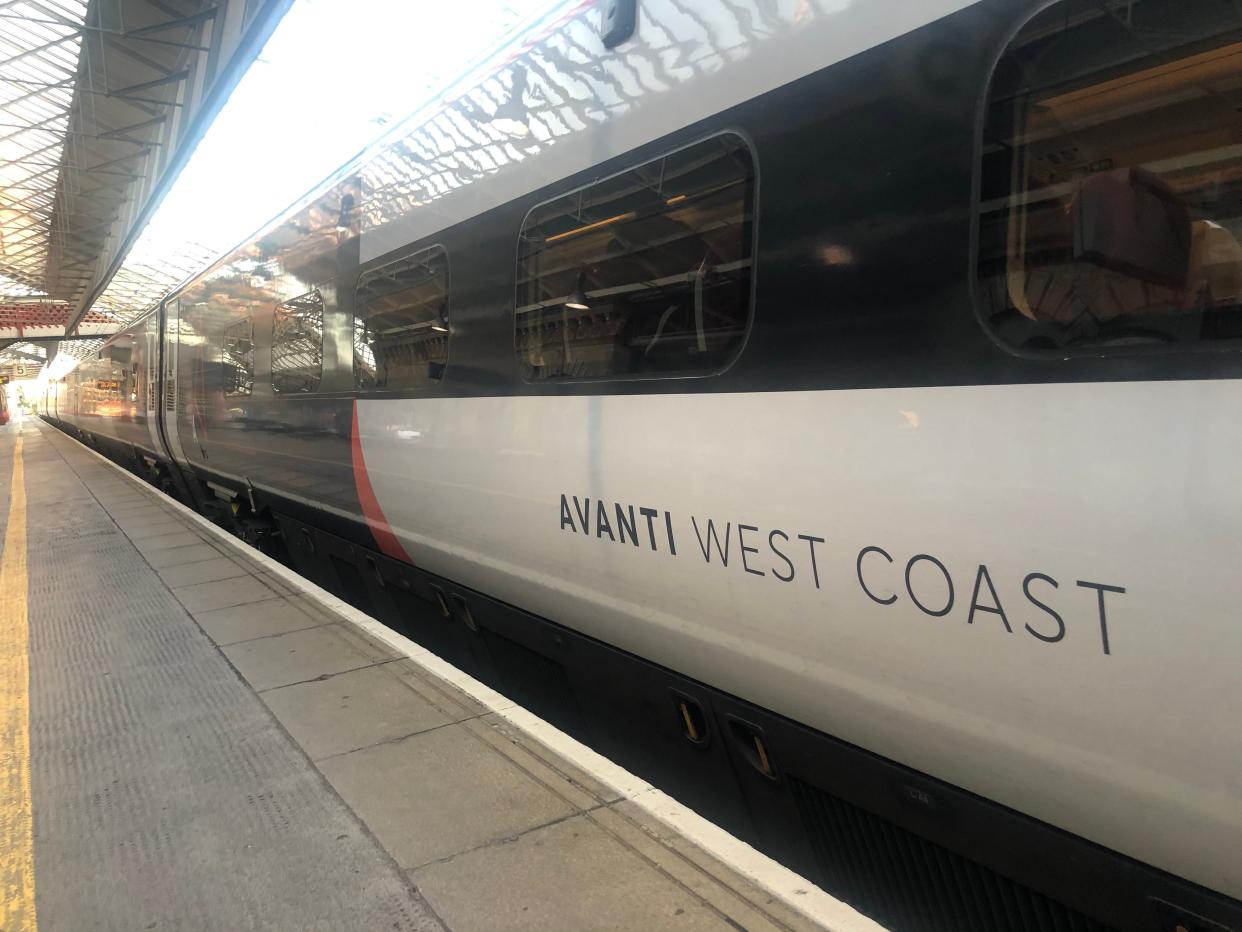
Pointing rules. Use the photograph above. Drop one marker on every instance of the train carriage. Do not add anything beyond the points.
(824, 409)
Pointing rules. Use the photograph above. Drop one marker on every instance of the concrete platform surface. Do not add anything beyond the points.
(212, 747)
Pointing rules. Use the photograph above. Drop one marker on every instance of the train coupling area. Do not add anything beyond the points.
(196, 738)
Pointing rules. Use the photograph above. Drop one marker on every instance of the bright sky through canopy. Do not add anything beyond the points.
(333, 78)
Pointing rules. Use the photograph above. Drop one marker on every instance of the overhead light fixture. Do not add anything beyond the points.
(440, 321)
(577, 300)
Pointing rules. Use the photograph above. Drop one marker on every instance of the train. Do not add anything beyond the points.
(826, 410)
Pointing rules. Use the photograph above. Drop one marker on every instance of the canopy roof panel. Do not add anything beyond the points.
(40, 45)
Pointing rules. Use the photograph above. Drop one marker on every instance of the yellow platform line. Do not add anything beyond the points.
(17, 912)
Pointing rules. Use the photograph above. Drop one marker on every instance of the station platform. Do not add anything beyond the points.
(196, 738)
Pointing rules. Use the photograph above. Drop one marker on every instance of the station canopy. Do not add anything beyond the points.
(101, 103)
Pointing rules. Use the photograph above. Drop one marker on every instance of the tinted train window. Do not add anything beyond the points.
(297, 344)
(644, 273)
(1112, 178)
(237, 358)
(401, 322)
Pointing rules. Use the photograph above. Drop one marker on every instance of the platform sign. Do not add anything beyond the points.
(108, 385)
(17, 371)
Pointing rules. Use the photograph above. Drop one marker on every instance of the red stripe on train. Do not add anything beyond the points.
(371, 511)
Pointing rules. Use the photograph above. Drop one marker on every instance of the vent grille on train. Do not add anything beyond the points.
(908, 884)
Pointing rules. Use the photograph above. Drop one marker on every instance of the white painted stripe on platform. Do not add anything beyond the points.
(787, 886)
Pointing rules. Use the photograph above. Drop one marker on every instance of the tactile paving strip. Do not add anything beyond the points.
(154, 766)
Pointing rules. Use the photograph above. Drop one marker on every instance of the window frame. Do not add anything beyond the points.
(631, 164)
(271, 359)
(249, 319)
(429, 386)
(975, 286)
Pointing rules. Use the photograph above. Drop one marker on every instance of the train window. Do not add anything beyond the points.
(401, 329)
(237, 358)
(646, 273)
(297, 344)
(1111, 202)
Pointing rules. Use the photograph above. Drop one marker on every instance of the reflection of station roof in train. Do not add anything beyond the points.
(101, 103)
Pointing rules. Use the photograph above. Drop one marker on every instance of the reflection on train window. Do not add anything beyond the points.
(644, 273)
(401, 326)
(237, 358)
(297, 344)
(121, 372)
(1112, 178)
(104, 392)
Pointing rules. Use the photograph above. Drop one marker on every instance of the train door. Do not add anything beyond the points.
(151, 360)
(171, 314)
